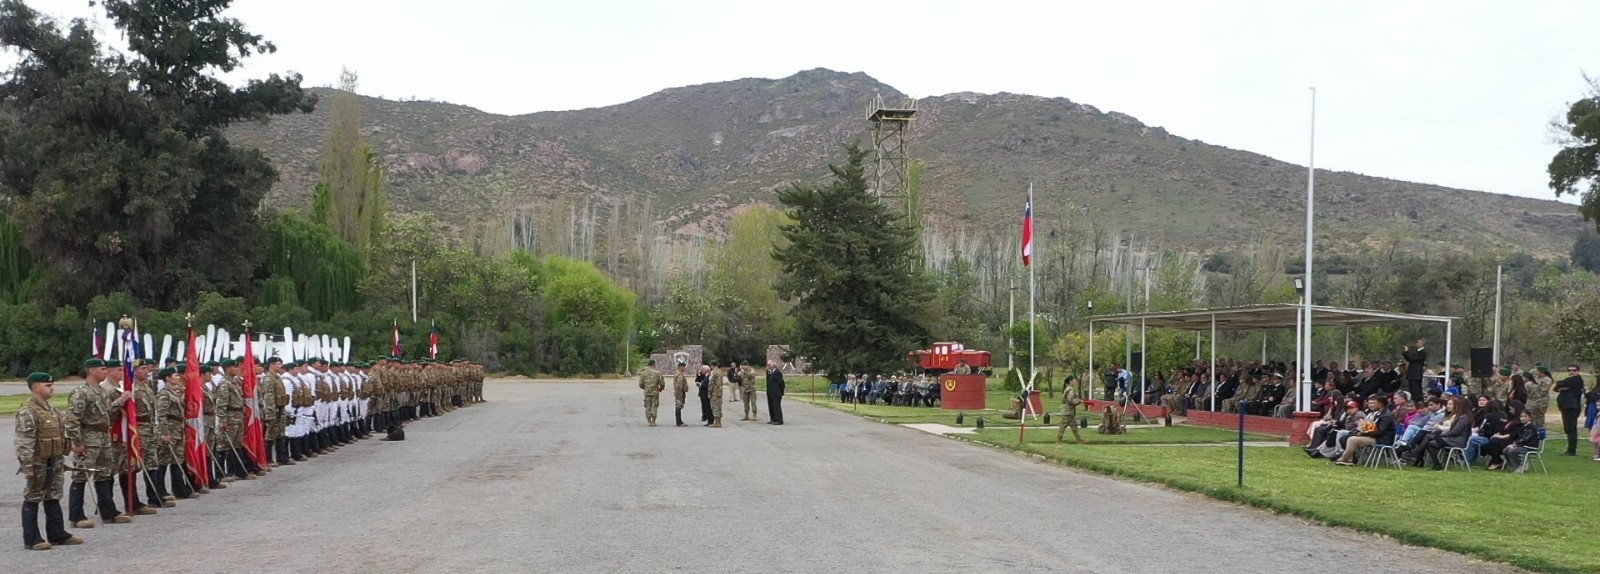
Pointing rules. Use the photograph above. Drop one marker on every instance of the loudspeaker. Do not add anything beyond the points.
(1482, 362)
(1136, 362)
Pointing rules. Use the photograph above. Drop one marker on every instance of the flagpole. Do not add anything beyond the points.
(1031, 318)
(1311, 186)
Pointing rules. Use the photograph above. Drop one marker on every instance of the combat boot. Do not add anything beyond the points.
(75, 506)
(30, 527)
(717, 424)
(54, 528)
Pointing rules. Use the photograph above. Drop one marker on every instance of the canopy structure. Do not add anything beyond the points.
(1262, 318)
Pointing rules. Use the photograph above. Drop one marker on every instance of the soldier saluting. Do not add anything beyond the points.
(41, 446)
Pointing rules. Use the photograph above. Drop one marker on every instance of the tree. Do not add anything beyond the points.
(115, 165)
(1586, 251)
(18, 271)
(851, 268)
(350, 198)
(1578, 162)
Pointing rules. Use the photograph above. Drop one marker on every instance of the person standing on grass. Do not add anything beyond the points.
(1569, 398)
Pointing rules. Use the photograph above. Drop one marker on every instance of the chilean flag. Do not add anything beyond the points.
(1027, 233)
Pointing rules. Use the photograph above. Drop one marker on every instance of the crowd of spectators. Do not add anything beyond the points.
(897, 390)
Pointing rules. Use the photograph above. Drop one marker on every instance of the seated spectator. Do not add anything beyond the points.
(1424, 420)
(1376, 428)
(1508, 435)
(1527, 440)
(1487, 419)
(1457, 430)
(1327, 435)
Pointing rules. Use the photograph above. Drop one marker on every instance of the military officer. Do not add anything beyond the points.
(90, 409)
(1070, 400)
(169, 432)
(680, 391)
(272, 398)
(747, 389)
(650, 382)
(144, 401)
(714, 386)
(41, 443)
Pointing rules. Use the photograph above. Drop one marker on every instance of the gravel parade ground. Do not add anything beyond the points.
(566, 477)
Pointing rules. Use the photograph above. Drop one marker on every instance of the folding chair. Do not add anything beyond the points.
(1456, 454)
(1544, 435)
(1383, 454)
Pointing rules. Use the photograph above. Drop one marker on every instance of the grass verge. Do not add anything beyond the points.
(10, 403)
(1541, 523)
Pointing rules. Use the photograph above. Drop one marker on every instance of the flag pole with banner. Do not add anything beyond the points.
(255, 439)
(129, 427)
(433, 339)
(194, 432)
(1027, 261)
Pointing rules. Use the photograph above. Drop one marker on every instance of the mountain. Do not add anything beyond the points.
(683, 157)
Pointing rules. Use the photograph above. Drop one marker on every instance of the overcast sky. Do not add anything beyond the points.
(1455, 93)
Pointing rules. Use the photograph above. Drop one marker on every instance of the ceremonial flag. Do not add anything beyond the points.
(433, 340)
(396, 350)
(255, 438)
(194, 432)
(1027, 232)
(129, 426)
(95, 343)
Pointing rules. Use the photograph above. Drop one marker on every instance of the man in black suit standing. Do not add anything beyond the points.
(1416, 362)
(774, 394)
(1569, 398)
(702, 379)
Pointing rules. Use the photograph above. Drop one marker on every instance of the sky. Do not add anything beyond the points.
(1456, 93)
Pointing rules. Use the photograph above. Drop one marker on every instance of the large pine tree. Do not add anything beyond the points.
(851, 267)
(114, 164)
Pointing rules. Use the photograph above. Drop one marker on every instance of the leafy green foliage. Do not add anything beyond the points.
(322, 269)
(1578, 162)
(849, 265)
(349, 198)
(1586, 251)
(127, 151)
(18, 271)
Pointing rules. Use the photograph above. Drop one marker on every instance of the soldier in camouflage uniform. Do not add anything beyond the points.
(747, 390)
(169, 432)
(1070, 400)
(714, 387)
(230, 422)
(1538, 387)
(273, 398)
(650, 382)
(90, 409)
(680, 391)
(144, 401)
(41, 443)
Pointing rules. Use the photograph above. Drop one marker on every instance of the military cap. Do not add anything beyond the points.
(147, 362)
(315, 360)
(229, 363)
(209, 365)
(167, 372)
(712, 362)
(114, 364)
(290, 365)
(40, 378)
(93, 364)
(180, 365)
(1505, 371)
(652, 362)
(274, 359)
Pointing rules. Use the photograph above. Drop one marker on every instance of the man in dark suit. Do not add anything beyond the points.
(774, 394)
(1416, 362)
(700, 382)
(1569, 398)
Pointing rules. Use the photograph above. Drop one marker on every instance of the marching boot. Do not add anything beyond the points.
(30, 527)
(678, 414)
(105, 502)
(75, 506)
(54, 528)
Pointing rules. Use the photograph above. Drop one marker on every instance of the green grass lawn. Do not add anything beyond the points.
(1538, 522)
(10, 403)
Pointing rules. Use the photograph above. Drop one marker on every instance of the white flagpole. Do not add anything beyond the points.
(1498, 270)
(1311, 179)
(1032, 320)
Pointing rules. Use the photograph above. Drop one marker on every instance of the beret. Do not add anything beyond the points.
(40, 378)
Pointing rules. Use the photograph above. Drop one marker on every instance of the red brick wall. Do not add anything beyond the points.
(1252, 424)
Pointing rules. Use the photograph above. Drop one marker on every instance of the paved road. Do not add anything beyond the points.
(566, 478)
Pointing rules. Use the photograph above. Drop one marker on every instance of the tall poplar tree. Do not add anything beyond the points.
(851, 268)
(350, 199)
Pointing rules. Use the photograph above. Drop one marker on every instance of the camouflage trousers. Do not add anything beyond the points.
(679, 393)
(1069, 419)
(716, 401)
(45, 484)
(652, 401)
(104, 456)
(749, 394)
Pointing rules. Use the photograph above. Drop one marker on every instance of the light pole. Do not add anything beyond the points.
(1302, 326)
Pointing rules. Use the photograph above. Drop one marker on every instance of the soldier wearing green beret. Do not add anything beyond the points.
(91, 409)
(42, 445)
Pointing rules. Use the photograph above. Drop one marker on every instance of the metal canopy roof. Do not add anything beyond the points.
(1258, 317)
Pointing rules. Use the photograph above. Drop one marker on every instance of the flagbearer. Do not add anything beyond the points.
(41, 443)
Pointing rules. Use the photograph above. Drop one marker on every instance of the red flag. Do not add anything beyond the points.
(255, 438)
(396, 339)
(1027, 233)
(194, 431)
(130, 414)
(433, 340)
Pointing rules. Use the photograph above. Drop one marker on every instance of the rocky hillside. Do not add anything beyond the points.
(688, 155)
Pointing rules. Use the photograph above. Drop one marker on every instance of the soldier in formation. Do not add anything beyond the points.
(680, 391)
(305, 409)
